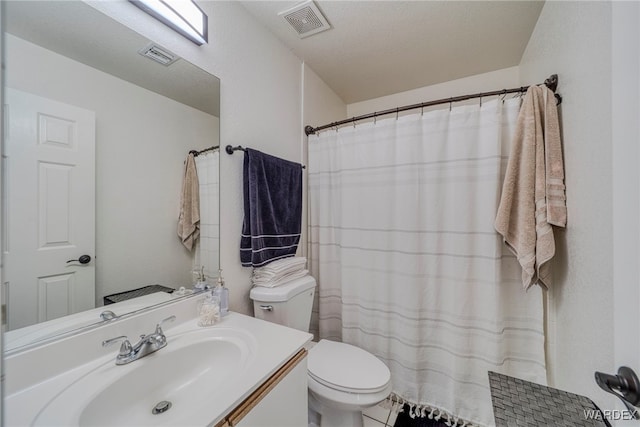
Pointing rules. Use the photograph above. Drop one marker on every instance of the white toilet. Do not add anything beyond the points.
(343, 379)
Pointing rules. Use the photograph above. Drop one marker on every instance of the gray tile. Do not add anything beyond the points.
(519, 403)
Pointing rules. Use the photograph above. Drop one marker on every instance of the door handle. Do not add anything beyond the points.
(625, 386)
(84, 259)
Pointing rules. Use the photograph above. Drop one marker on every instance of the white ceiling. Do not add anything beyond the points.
(78, 31)
(377, 48)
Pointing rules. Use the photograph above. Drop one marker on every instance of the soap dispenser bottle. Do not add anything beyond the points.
(223, 294)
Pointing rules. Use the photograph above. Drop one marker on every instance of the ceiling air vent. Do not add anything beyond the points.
(306, 19)
(159, 54)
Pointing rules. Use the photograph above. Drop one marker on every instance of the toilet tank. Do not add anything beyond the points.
(288, 305)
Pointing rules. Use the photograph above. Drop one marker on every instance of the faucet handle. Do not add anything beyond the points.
(125, 348)
(160, 323)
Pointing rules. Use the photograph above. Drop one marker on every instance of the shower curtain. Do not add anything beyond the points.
(409, 265)
(208, 255)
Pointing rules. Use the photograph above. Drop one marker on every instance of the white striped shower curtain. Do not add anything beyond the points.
(409, 265)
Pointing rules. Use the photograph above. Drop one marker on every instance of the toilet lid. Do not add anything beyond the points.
(348, 368)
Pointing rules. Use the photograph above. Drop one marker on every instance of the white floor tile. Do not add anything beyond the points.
(378, 413)
(392, 419)
(370, 422)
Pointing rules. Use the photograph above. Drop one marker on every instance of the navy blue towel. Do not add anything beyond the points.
(272, 208)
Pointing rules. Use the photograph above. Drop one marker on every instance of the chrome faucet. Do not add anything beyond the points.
(147, 344)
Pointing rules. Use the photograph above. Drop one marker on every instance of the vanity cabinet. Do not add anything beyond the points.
(281, 401)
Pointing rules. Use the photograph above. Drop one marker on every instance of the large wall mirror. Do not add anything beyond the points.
(95, 143)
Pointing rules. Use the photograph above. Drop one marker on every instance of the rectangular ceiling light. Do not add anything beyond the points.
(183, 16)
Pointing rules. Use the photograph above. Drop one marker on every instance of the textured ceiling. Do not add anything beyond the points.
(78, 31)
(377, 48)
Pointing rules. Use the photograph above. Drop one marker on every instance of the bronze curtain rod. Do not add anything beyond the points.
(230, 150)
(196, 153)
(551, 83)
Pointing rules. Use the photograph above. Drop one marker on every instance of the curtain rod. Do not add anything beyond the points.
(196, 153)
(230, 150)
(551, 83)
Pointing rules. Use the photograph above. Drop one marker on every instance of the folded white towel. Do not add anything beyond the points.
(279, 272)
(282, 280)
(283, 264)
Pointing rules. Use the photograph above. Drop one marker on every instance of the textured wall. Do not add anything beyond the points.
(573, 39)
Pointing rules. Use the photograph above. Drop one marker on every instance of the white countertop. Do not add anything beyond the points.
(271, 347)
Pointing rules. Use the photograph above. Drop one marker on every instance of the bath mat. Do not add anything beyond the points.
(405, 420)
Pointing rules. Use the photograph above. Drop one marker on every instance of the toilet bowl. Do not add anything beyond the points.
(342, 379)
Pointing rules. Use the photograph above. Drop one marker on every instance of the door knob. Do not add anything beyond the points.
(625, 386)
(84, 259)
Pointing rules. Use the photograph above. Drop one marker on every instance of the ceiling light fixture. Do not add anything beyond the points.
(183, 16)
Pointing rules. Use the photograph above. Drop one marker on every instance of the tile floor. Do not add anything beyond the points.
(378, 416)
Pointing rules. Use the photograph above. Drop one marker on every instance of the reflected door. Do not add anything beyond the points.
(49, 213)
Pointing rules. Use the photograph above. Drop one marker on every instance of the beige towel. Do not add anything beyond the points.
(533, 193)
(189, 219)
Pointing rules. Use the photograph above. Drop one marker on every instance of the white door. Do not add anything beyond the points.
(49, 214)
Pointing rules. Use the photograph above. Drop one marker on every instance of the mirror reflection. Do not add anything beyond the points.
(93, 163)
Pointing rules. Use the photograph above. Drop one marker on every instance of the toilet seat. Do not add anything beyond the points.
(347, 368)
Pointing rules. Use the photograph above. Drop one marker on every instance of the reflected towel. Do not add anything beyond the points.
(272, 208)
(533, 193)
(189, 219)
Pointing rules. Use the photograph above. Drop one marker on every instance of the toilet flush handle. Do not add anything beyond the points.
(266, 307)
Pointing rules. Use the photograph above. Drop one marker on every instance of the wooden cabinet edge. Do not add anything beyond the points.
(250, 402)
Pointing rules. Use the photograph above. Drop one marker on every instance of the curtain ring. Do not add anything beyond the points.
(397, 110)
(481, 102)
(375, 117)
(450, 104)
(504, 95)
(422, 113)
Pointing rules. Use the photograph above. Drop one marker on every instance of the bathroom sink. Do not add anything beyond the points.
(189, 373)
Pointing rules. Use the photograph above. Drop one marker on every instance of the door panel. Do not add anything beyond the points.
(50, 215)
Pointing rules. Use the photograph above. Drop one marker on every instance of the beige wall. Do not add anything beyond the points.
(138, 166)
(573, 39)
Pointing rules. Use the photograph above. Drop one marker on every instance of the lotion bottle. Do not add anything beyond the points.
(223, 294)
